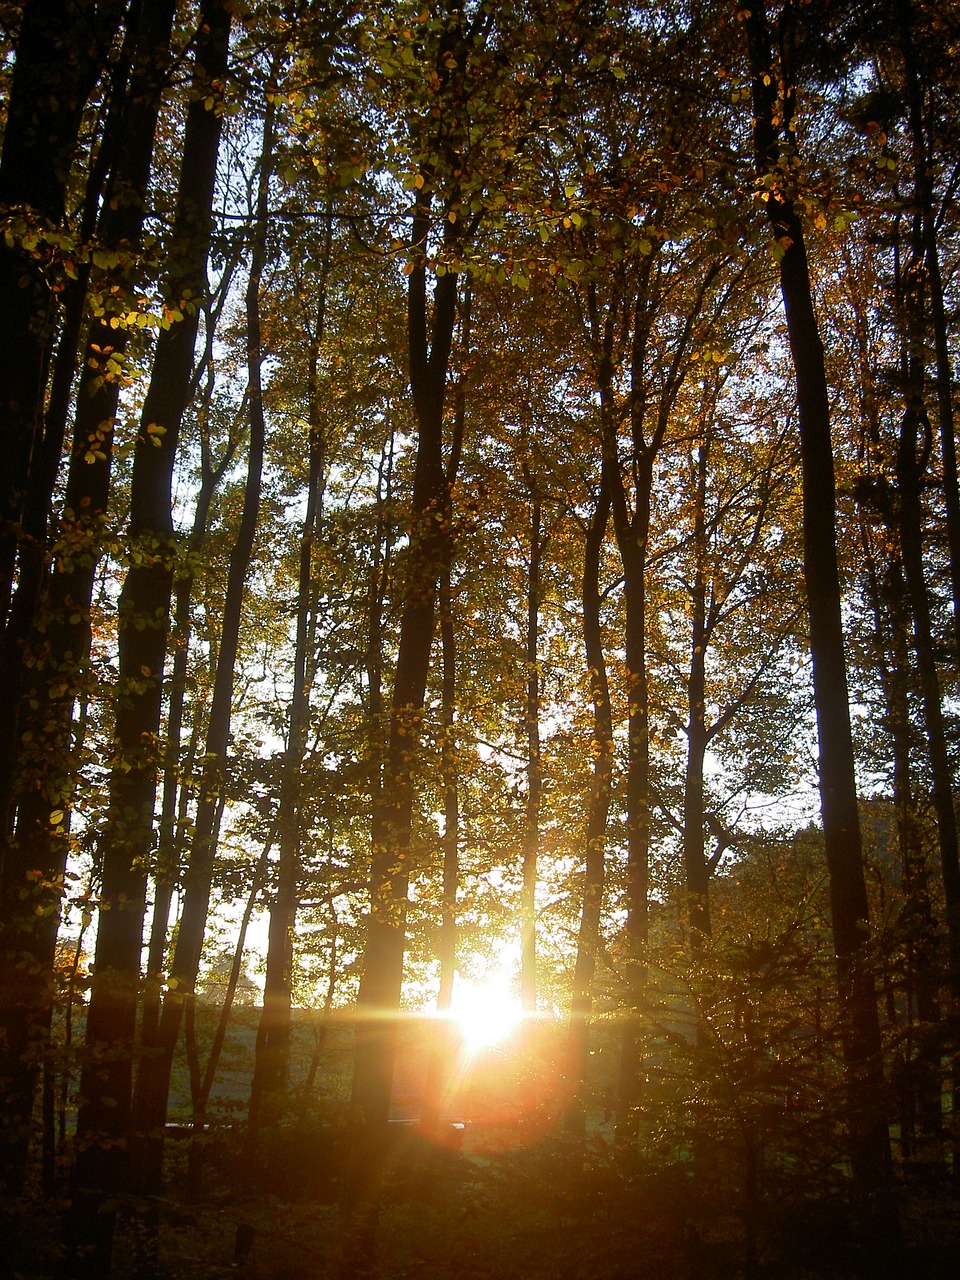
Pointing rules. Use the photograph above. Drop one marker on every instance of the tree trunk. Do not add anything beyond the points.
(200, 1094)
(32, 562)
(104, 1116)
(923, 196)
(869, 1140)
(595, 834)
(632, 532)
(441, 1046)
(60, 650)
(451, 801)
(910, 468)
(61, 52)
(153, 1080)
(442, 1049)
(531, 830)
(920, 1069)
(273, 1036)
(696, 868)
(383, 955)
(169, 840)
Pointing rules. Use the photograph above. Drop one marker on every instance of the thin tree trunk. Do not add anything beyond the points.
(695, 865)
(169, 841)
(631, 524)
(451, 800)
(272, 1061)
(921, 1066)
(153, 1080)
(531, 831)
(595, 834)
(441, 1047)
(333, 968)
(200, 1094)
(912, 455)
(918, 1071)
(632, 529)
(910, 468)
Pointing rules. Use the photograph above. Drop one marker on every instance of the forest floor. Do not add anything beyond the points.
(512, 1196)
(537, 1212)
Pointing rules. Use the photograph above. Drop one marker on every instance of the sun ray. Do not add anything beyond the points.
(485, 1013)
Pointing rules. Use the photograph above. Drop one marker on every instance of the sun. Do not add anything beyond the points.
(486, 1013)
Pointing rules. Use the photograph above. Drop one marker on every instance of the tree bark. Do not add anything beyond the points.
(153, 1080)
(863, 1063)
(383, 956)
(531, 831)
(144, 606)
(61, 52)
(272, 1062)
(595, 833)
(32, 551)
(923, 196)
(169, 840)
(41, 771)
(441, 1050)
(910, 467)
(696, 868)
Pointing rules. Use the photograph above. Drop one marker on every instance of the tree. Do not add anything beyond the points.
(154, 1078)
(60, 55)
(61, 642)
(430, 339)
(595, 827)
(143, 611)
(773, 109)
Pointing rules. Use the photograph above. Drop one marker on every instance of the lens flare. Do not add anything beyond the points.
(485, 1014)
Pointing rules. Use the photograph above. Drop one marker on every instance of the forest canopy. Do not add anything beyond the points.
(479, 566)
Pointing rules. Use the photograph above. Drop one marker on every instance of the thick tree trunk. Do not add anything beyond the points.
(60, 650)
(32, 562)
(923, 196)
(61, 52)
(632, 534)
(144, 606)
(442, 1049)
(869, 1140)
(383, 956)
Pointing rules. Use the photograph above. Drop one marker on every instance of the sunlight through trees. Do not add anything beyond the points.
(480, 590)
